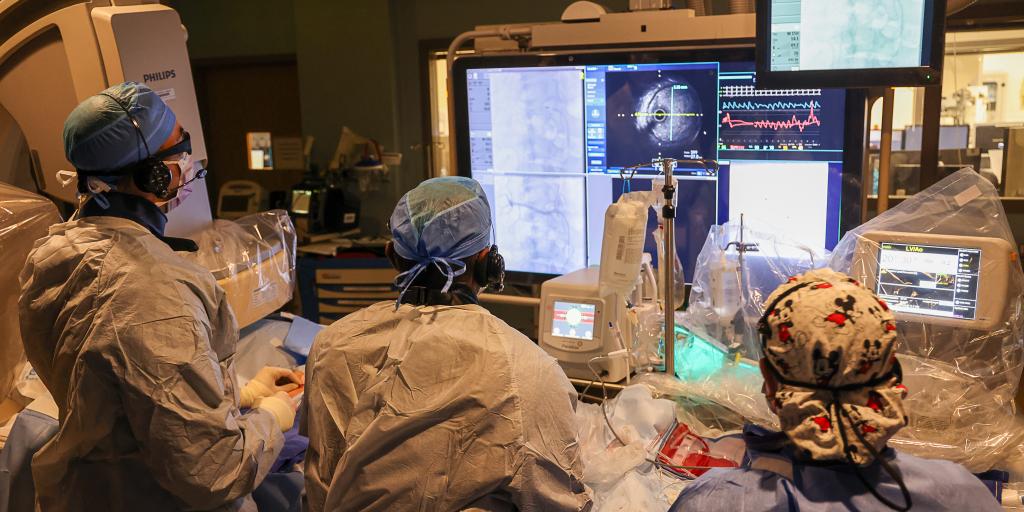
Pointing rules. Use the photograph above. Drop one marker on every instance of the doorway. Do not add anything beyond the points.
(240, 97)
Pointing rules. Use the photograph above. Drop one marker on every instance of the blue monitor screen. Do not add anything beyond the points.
(875, 139)
(550, 144)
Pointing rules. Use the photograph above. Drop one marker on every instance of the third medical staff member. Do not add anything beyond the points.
(435, 404)
(831, 375)
(134, 342)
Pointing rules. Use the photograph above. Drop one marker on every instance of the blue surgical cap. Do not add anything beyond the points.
(440, 222)
(99, 135)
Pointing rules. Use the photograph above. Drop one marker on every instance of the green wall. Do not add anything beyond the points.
(233, 28)
(345, 53)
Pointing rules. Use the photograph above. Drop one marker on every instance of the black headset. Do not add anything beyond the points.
(491, 274)
(150, 174)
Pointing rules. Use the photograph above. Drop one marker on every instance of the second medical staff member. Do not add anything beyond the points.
(831, 375)
(134, 342)
(435, 404)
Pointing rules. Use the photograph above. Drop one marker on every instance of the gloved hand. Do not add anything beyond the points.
(283, 408)
(268, 381)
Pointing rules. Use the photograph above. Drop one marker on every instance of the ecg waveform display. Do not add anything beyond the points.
(775, 105)
(778, 121)
(777, 125)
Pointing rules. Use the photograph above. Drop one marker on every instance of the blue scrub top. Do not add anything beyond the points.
(933, 485)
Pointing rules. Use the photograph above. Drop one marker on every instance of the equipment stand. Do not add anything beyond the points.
(668, 215)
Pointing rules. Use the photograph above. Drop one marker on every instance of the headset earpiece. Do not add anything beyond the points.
(490, 273)
(149, 174)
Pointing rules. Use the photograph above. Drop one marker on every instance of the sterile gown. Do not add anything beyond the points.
(135, 343)
(437, 408)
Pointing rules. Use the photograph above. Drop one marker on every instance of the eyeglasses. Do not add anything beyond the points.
(182, 146)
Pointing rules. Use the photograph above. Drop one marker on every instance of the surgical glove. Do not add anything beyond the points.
(282, 407)
(265, 383)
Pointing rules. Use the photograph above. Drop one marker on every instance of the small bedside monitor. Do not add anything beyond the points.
(960, 281)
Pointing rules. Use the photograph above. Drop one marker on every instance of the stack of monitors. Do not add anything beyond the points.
(551, 140)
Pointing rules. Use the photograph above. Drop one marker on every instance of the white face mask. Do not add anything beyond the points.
(184, 186)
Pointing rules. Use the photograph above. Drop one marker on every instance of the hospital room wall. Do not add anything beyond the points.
(220, 29)
(346, 60)
(359, 61)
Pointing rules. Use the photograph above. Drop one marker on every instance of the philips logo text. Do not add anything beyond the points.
(156, 77)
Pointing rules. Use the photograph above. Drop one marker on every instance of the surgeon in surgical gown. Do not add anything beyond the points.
(434, 403)
(134, 342)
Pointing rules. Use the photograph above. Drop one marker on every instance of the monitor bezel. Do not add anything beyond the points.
(854, 132)
(917, 76)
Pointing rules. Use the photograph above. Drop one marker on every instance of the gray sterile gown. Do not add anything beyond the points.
(136, 344)
(438, 408)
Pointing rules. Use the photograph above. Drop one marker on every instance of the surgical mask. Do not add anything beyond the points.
(184, 188)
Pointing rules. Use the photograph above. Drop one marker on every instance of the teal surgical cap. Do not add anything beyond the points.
(99, 135)
(440, 222)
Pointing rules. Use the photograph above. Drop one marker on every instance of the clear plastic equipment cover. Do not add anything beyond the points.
(718, 347)
(962, 380)
(734, 275)
(253, 259)
(24, 218)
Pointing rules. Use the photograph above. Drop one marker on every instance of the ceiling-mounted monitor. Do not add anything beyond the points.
(850, 43)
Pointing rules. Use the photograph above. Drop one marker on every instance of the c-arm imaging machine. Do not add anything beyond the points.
(54, 54)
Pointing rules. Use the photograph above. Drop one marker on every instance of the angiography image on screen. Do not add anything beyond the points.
(540, 121)
(846, 34)
(661, 112)
(539, 221)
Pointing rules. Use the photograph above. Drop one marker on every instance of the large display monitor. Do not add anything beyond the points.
(850, 43)
(551, 138)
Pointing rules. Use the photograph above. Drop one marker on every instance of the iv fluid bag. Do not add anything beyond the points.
(726, 298)
(623, 244)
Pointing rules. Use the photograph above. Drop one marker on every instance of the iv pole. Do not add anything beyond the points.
(668, 215)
